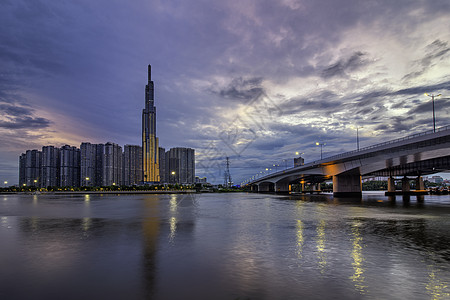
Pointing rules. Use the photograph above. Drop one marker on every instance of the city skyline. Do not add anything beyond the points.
(253, 81)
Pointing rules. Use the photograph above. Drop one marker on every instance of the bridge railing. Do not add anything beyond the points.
(389, 142)
(367, 148)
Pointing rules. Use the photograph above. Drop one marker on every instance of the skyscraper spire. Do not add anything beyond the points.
(149, 73)
(150, 155)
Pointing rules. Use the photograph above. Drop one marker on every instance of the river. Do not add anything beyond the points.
(223, 246)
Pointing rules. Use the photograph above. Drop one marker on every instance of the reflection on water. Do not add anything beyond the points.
(321, 255)
(300, 239)
(358, 259)
(232, 246)
(436, 286)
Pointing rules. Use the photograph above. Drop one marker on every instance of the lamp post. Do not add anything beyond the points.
(357, 137)
(5, 183)
(173, 176)
(321, 146)
(432, 101)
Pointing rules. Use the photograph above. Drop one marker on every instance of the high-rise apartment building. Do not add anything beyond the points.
(69, 159)
(112, 164)
(180, 165)
(132, 165)
(150, 152)
(91, 164)
(50, 166)
(162, 165)
(30, 168)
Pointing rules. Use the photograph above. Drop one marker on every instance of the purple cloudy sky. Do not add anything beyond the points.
(253, 80)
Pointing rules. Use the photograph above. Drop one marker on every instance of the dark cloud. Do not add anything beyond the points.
(25, 123)
(242, 89)
(342, 67)
(14, 111)
(325, 101)
(398, 125)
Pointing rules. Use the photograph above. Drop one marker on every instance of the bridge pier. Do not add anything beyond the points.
(282, 188)
(420, 186)
(347, 185)
(255, 188)
(391, 184)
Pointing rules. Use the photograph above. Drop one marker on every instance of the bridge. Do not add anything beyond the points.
(411, 156)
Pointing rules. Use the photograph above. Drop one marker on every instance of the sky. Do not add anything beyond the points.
(255, 81)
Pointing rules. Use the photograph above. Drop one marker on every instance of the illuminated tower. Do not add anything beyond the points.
(150, 155)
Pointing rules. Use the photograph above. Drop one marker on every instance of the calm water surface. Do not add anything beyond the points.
(223, 246)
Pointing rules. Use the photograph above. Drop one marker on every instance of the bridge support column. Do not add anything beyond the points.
(391, 184)
(419, 183)
(282, 188)
(405, 184)
(347, 185)
(317, 187)
(255, 188)
(420, 186)
(406, 187)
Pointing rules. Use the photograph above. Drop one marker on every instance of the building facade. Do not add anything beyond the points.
(91, 164)
(180, 165)
(132, 165)
(150, 151)
(162, 165)
(69, 159)
(112, 164)
(50, 166)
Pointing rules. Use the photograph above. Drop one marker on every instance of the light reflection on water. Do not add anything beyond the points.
(224, 246)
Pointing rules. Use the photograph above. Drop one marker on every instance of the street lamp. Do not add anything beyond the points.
(321, 146)
(432, 100)
(357, 137)
(173, 176)
(5, 182)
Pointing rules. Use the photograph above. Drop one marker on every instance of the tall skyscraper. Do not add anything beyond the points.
(150, 153)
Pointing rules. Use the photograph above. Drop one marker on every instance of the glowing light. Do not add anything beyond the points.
(300, 239)
(358, 259)
(321, 255)
(173, 228)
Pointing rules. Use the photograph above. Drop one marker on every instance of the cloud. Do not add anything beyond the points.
(342, 67)
(241, 89)
(436, 51)
(26, 123)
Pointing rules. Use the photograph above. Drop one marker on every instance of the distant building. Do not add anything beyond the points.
(112, 164)
(22, 174)
(50, 167)
(162, 165)
(299, 161)
(91, 164)
(200, 180)
(436, 179)
(30, 166)
(69, 159)
(132, 165)
(180, 165)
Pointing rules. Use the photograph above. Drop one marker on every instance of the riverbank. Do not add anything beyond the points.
(105, 192)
